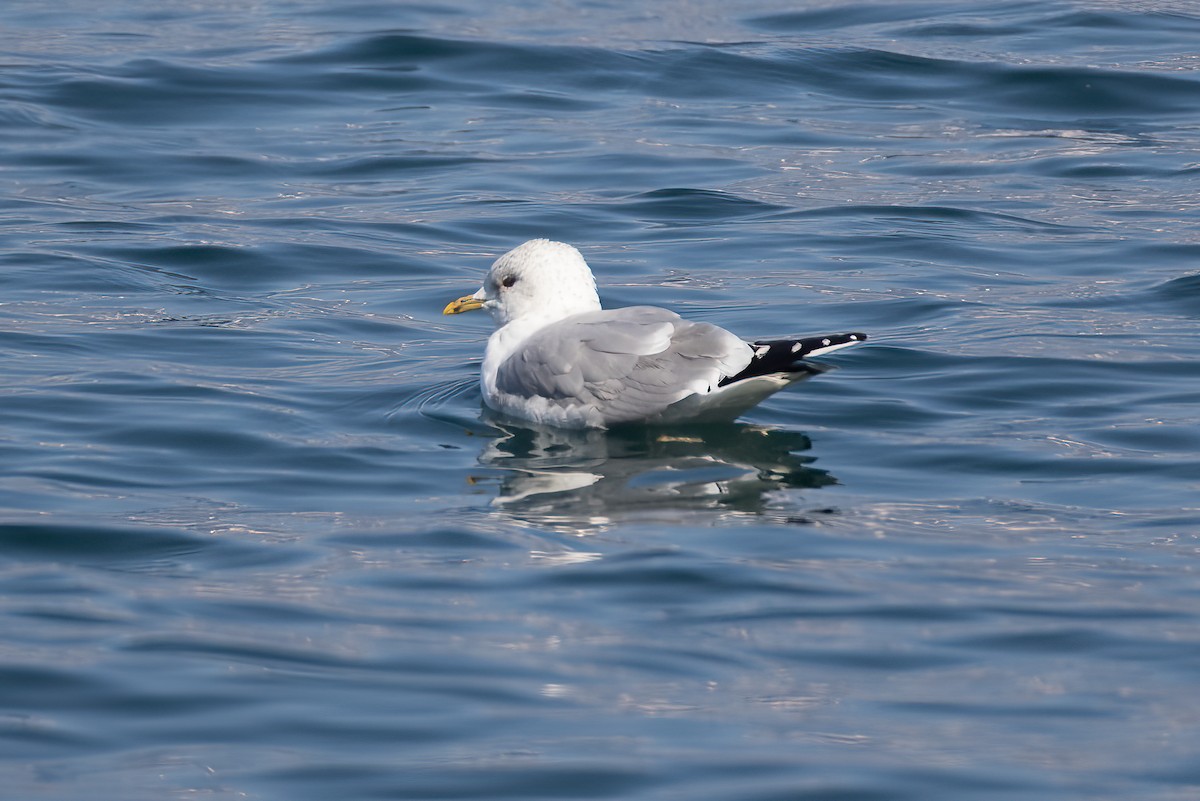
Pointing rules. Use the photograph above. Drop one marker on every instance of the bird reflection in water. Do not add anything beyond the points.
(581, 480)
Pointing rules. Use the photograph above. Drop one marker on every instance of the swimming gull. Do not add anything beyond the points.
(557, 358)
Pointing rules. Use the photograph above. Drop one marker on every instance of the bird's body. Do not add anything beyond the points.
(558, 358)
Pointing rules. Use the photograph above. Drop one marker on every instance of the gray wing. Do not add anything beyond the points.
(629, 364)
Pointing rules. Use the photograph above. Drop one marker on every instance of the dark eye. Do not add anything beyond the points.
(509, 280)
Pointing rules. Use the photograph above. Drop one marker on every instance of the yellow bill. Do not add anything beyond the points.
(463, 304)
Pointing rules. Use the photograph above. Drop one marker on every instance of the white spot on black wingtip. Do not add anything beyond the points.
(799, 346)
(825, 343)
(854, 337)
(762, 350)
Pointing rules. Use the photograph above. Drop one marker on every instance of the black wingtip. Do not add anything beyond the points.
(787, 355)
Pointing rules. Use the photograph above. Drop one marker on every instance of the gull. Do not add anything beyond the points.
(558, 359)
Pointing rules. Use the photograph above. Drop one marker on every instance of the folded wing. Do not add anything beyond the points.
(626, 364)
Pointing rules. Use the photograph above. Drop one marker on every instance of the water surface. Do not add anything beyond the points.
(259, 540)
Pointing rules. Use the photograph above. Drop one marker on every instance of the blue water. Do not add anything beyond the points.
(258, 539)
